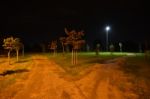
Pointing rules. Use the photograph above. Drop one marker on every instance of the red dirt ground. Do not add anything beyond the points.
(47, 80)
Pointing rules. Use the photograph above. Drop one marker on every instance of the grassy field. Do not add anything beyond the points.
(87, 59)
(127, 72)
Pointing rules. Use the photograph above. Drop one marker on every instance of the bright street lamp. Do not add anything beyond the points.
(107, 29)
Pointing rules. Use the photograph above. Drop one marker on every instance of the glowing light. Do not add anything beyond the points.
(107, 28)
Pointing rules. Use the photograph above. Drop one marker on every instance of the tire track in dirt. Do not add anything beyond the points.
(45, 83)
(104, 89)
(96, 84)
(33, 86)
(101, 84)
(94, 80)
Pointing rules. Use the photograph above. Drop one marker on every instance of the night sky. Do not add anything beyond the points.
(41, 21)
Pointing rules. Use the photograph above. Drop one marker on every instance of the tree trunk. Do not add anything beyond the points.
(23, 50)
(54, 52)
(17, 52)
(63, 49)
(9, 57)
(74, 56)
(72, 59)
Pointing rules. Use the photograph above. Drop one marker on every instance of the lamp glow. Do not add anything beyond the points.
(107, 28)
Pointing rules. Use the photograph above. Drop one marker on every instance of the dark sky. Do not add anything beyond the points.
(40, 21)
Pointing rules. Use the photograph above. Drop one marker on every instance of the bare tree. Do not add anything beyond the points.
(74, 39)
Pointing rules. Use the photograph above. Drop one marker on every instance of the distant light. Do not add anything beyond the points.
(107, 28)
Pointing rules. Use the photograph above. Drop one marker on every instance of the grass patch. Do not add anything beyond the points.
(85, 60)
(137, 66)
(137, 71)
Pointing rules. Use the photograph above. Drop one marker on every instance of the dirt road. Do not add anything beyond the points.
(47, 81)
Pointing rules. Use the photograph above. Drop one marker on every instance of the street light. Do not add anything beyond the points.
(107, 29)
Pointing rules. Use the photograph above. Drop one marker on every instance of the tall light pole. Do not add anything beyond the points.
(107, 43)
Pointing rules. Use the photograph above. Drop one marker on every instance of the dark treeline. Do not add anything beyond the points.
(127, 47)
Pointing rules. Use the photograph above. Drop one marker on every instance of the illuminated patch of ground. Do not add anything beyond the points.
(113, 78)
